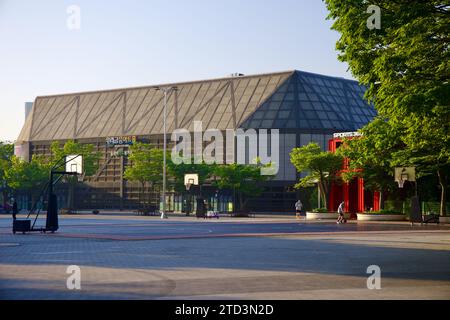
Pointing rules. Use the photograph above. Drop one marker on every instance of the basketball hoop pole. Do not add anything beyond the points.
(52, 209)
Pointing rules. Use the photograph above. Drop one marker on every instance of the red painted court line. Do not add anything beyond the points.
(240, 235)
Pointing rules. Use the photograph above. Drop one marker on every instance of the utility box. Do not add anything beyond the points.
(21, 226)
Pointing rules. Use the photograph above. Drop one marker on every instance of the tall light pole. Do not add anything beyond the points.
(166, 91)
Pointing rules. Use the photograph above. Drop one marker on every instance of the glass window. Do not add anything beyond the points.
(317, 106)
(332, 116)
(304, 123)
(327, 124)
(270, 114)
(330, 99)
(315, 124)
(320, 82)
(274, 105)
(325, 90)
(322, 115)
(311, 80)
(310, 115)
(291, 124)
(326, 107)
(333, 91)
(278, 96)
(336, 108)
(284, 114)
(290, 97)
(283, 88)
(279, 124)
(267, 124)
(258, 116)
(302, 97)
(319, 139)
(255, 124)
(301, 114)
(287, 105)
(306, 105)
(305, 139)
(308, 88)
(313, 97)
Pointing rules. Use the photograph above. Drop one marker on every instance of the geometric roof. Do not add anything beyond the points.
(311, 101)
(292, 100)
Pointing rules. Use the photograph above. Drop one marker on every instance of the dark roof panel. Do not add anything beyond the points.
(315, 102)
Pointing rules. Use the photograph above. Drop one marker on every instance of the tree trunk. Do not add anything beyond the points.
(5, 197)
(141, 194)
(241, 202)
(234, 200)
(443, 182)
(381, 199)
(323, 195)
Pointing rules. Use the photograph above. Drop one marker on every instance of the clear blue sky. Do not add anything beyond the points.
(135, 43)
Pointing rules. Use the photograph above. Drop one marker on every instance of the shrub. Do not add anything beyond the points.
(321, 210)
(384, 212)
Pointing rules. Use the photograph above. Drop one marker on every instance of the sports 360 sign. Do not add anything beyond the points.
(120, 141)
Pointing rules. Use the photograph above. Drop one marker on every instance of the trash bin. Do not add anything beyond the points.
(201, 208)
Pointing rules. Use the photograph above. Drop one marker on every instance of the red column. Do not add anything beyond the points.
(332, 198)
(361, 202)
(376, 201)
(346, 188)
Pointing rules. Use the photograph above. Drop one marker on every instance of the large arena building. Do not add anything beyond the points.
(305, 107)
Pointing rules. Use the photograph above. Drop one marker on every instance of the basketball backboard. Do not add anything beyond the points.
(405, 174)
(74, 164)
(191, 180)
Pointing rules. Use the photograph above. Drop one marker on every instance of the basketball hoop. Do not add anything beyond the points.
(404, 174)
(74, 164)
(190, 180)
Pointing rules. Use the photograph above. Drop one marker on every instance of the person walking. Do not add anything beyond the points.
(14, 209)
(341, 218)
(298, 209)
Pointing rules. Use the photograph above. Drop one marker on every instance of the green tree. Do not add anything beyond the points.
(244, 180)
(405, 65)
(27, 176)
(372, 155)
(322, 167)
(6, 155)
(145, 166)
(90, 163)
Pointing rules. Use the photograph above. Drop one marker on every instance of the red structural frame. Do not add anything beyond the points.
(353, 193)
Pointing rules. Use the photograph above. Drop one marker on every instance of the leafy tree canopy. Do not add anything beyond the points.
(146, 164)
(405, 66)
(243, 179)
(90, 157)
(322, 167)
(177, 172)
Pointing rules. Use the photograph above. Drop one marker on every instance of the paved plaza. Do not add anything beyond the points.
(269, 257)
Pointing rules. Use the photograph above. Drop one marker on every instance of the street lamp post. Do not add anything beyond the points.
(166, 92)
